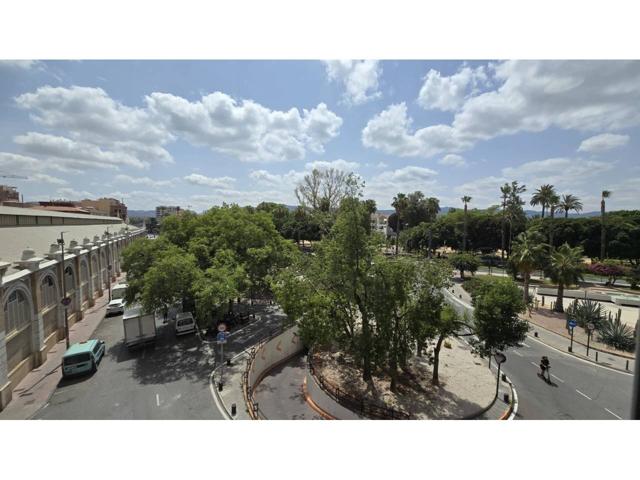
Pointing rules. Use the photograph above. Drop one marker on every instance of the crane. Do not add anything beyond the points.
(13, 176)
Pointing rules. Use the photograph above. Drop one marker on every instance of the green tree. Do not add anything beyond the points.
(400, 203)
(528, 255)
(544, 196)
(497, 325)
(465, 262)
(466, 199)
(565, 269)
(447, 324)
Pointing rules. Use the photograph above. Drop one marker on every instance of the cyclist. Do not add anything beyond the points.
(544, 368)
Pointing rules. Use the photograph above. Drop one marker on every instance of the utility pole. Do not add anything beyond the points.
(65, 300)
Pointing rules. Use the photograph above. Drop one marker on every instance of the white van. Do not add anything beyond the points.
(185, 323)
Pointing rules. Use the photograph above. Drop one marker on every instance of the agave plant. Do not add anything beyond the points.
(585, 312)
(617, 335)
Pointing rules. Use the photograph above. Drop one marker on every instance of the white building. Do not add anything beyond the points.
(31, 314)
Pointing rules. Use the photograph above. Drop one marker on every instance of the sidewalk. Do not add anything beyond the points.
(34, 391)
(560, 342)
(232, 392)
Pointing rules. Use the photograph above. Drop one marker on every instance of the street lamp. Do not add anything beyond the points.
(500, 359)
(65, 301)
(590, 328)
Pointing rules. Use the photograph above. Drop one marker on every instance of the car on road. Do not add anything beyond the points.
(185, 323)
(116, 307)
(82, 357)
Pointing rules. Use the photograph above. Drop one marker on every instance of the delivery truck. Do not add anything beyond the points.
(139, 327)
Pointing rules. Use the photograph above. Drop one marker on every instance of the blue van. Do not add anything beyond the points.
(82, 357)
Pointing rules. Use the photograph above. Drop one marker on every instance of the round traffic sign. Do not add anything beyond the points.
(591, 326)
(222, 327)
(65, 301)
(500, 357)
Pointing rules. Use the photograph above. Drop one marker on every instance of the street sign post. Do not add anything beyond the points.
(222, 327)
(572, 325)
(500, 359)
(590, 328)
(65, 301)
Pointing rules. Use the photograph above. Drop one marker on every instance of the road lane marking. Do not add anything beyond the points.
(534, 364)
(557, 378)
(526, 345)
(585, 396)
(157, 400)
(518, 353)
(619, 418)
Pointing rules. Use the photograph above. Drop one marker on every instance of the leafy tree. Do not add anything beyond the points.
(464, 262)
(528, 255)
(565, 269)
(497, 324)
(447, 324)
(544, 196)
(400, 203)
(325, 189)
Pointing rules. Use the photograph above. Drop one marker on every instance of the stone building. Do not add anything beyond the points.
(165, 211)
(105, 206)
(31, 268)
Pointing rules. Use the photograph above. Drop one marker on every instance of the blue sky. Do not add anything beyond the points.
(197, 133)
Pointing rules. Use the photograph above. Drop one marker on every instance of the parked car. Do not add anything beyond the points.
(82, 357)
(116, 307)
(185, 323)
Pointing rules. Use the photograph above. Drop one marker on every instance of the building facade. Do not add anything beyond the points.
(9, 195)
(31, 270)
(164, 211)
(109, 207)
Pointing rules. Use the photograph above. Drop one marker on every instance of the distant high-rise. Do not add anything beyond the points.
(164, 211)
(9, 196)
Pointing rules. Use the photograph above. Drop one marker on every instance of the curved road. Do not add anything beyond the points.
(579, 389)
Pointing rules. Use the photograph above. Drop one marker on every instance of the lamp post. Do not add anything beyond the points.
(500, 359)
(65, 301)
(590, 328)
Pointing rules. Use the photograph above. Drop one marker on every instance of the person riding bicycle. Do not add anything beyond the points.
(544, 367)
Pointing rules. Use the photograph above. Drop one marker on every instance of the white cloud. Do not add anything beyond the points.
(29, 167)
(453, 160)
(68, 193)
(336, 164)
(449, 93)
(390, 131)
(149, 182)
(245, 130)
(603, 142)
(359, 78)
(531, 96)
(285, 181)
(204, 181)
(385, 185)
(45, 178)
(21, 64)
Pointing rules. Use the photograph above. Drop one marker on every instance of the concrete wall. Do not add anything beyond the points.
(326, 403)
(271, 353)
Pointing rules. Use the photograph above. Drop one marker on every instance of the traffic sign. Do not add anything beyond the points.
(222, 327)
(65, 301)
(572, 324)
(221, 337)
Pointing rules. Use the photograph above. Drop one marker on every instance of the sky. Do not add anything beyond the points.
(199, 133)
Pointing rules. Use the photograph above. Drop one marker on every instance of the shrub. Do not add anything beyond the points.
(585, 312)
(608, 269)
(474, 285)
(634, 277)
(464, 262)
(617, 335)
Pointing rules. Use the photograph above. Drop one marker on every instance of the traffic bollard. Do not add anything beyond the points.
(228, 362)
(505, 397)
(627, 367)
(233, 409)
(570, 349)
(535, 334)
(220, 386)
(596, 355)
(504, 377)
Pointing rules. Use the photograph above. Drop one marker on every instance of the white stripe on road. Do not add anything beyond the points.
(557, 378)
(517, 353)
(157, 400)
(526, 345)
(585, 396)
(534, 364)
(619, 418)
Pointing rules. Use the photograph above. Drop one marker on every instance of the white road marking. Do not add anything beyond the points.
(157, 400)
(526, 345)
(534, 364)
(619, 418)
(585, 396)
(517, 353)
(557, 378)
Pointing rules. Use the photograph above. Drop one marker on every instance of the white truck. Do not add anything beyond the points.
(118, 291)
(139, 327)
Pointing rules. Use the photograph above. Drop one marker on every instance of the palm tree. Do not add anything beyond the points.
(554, 200)
(400, 203)
(466, 199)
(506, 191)
(569, 202)
(565, 269)
(528, 255)
(543, 196)
(514, 208)
(603, 231)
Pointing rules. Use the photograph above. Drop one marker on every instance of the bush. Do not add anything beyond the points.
(464, 262)
(474, 285)
(634, 277)
(585, 312)
(617, 335)
(608, 269)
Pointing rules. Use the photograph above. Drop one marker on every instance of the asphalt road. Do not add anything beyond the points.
(578, 390)
(168, 381)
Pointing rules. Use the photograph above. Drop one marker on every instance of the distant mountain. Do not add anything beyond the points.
(142, 213)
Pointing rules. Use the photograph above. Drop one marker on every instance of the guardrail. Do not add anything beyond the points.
(361, 406)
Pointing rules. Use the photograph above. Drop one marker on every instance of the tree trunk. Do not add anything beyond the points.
(526, 287)
(559, 299)
(464, 236)
(543, 210)
(366, 343)
(462, 273)
(502, 237)
(436, 360)
(393, 366)
(566, 214)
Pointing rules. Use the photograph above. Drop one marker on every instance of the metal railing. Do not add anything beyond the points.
(359, 405)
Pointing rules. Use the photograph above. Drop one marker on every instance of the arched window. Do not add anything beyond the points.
(84, 272)
(16, 312)
(48, 291)
(69, 278)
